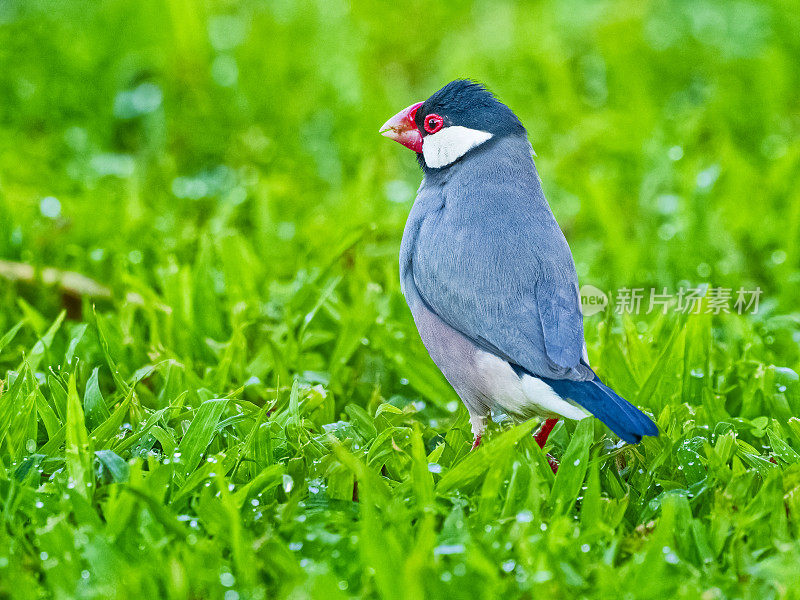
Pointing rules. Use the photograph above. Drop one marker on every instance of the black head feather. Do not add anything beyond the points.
(469, 104)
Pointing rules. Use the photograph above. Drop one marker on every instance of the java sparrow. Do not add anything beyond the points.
(488, 274)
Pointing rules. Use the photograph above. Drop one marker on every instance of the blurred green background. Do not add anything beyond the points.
(666, 131)
(221, 161)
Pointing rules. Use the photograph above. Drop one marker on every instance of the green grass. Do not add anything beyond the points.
(199, 433)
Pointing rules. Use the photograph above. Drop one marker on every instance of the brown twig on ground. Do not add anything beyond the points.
(69, 283)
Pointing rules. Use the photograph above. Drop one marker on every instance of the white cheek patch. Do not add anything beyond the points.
(451, 143)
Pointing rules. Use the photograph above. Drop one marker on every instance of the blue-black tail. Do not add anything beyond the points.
(622, 417)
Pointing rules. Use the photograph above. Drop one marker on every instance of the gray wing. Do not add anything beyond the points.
(497, 268)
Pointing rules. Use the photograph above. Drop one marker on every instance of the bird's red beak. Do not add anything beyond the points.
(402, 129)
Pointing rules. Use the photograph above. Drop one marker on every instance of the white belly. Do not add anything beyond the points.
(521, 397)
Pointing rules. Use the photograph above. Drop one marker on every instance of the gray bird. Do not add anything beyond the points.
(488, 274)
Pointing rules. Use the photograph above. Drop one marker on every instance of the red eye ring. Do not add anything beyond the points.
(433, 123)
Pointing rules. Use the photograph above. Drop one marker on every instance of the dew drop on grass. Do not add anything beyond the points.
(447, 549)
(50, 207)
(434, 468)
(525, 516)
(39, 504)
(577, 462)
(542, 576)
(508, 566)
(296, 546)
(585, 548)
(227, 579)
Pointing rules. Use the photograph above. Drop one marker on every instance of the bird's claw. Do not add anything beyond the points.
(553, 463)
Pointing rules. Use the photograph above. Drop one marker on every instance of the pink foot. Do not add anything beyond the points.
(553, 463)
(476, 443)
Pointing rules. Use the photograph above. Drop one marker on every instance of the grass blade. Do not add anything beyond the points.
(78, 457)
(200, 433)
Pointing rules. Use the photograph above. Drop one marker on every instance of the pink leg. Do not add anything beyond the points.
(553, 463)
(544, 432)
(541, 439)
(476, 443)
